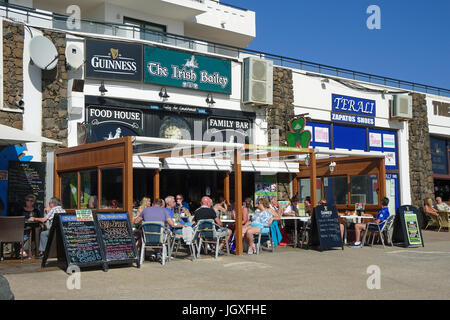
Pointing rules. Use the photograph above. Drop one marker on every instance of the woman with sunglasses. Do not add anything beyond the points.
(29, 209)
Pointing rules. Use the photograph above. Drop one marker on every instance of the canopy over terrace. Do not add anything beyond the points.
(231, 156)
(127, 153)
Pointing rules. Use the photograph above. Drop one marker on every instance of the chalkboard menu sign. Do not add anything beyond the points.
(325, 228)
(406, 227)
(117, 237)
(84, 239)
(25, 178)
(81, 241)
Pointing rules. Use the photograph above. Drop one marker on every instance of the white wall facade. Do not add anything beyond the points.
(439, 125)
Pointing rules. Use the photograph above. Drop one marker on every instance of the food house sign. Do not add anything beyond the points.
(353, 110)
(179, 69)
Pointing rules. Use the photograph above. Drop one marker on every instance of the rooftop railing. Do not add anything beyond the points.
(56, 21)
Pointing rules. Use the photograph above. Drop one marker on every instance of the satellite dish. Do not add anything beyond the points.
(43, 53)
(74, 56)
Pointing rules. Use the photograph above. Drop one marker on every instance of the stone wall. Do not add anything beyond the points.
(13, 38)
(278, 115)
(282, 108)
(421, 173)
(54, 97)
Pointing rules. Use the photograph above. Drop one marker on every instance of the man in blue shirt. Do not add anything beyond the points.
(382, 215)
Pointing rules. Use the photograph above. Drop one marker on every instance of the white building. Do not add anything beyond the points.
(141, 74)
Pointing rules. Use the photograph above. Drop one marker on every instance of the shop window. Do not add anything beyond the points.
(69, 190)
(112, 188)
(364, 189)
(335, 190)
(305, 189)
(89, 185)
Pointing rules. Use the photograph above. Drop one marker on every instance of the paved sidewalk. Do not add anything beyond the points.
(406, 273)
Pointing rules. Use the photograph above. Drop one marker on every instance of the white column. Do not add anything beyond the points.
(403, 161)
(32, 97)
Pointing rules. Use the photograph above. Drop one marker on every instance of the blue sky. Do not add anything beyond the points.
(413, 43)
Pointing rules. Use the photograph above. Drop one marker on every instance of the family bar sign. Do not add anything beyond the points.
(353, 110)
(179, 69)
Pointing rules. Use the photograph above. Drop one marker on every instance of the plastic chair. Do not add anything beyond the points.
(12, 231)
(265, 236)
(155, 236)
(207, 233)
(374, 228)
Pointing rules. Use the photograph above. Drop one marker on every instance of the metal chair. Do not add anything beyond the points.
(155, 236)
(185, 238)
(12, 231)
(374, 228)
(207, 233)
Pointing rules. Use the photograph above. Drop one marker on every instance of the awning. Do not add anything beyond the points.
(12, 136)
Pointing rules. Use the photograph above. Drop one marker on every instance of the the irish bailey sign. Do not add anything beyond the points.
(179, 69)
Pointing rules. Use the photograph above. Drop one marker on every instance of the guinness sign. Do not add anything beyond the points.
(113, 60)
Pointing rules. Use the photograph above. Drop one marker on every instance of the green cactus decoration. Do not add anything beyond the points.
(297, 137)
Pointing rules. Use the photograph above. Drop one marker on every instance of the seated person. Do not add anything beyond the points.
(260, 219)
(92, 202)
(183, 206)
(429, 210)
(308, 207)
(232, 226)
(221, 207)
(291, 209)
(54, 207)
(155, 213)
(442, 206)
(206, 212)
(383, 214)
(170, 207)
(275, 207)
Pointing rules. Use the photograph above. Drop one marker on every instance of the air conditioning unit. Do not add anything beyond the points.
(401, 107)
(257, 81)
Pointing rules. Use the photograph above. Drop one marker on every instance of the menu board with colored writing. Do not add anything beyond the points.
(81, 241)
(325, 228)
(407, 231)
(412, 228)
(117, 237)
(25, 178)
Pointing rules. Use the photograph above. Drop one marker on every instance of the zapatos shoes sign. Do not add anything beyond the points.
(185, 70)
(113, 60)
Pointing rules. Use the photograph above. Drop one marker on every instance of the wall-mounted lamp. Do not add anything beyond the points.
(307, 160)
(102, 88)
(163, 93)
(332, 166)
(209, 99)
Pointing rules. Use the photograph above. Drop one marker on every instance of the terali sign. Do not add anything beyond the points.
(179, 69)
(353, 110)
(113, 60)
